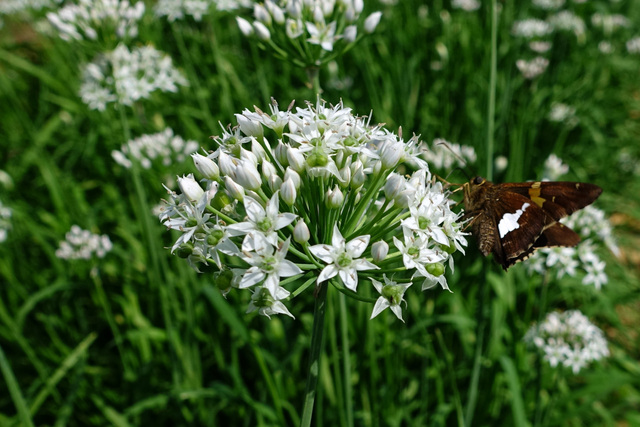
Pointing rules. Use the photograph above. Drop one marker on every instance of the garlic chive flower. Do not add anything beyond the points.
(326, 27)
(313, 195)
(124, 76)
(568, 339)
(176, 10)
(343, 258)
(162, 148)
(83, 244)
(391, 295)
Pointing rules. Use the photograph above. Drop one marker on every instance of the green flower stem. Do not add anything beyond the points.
(389, 225)
(491, 110)
(353, 295)
(353, 220)
(226, 218)
(314, 355)
(302, 288)
(346, 359)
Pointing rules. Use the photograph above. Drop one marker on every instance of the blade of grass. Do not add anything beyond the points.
(14, 391)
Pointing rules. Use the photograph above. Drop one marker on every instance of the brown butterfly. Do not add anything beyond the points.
(512, 220)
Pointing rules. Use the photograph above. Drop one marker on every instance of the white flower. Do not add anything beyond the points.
(269, 265)
(372, 22)
(379, 250)
(125, 76)
(532, 69)
(82, 244)
(267, 304)
(321, 34)
(163, 146)
(263, 221)
(530, 28)
(391, 295)
(568, 339)
(342, 258)
(554, 168)
(190, 188)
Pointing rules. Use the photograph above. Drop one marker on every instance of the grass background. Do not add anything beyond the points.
(138, 338)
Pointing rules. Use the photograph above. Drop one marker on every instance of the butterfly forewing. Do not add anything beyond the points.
(512, 220)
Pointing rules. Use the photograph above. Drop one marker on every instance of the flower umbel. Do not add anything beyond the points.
(291, 198)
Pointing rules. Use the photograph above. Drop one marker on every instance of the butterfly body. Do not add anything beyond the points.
(512, 220)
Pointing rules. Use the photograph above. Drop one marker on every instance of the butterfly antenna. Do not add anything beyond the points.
(456, 155)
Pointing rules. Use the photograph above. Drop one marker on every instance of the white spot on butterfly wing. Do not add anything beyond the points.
(509, 221)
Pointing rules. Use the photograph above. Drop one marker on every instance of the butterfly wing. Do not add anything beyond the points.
(558, 199)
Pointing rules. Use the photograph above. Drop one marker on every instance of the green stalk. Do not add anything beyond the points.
(314, 356)
(491, 110)
(346, 359)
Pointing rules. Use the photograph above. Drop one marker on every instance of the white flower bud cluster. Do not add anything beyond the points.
(179, 9)
(290, 198)
(633, 45)
(327, 24)
(82, 244)
(5, 221)
(592, 226)
(533, 68)
(88, 19)
(531, 28)
(563, 113)
(125, 76)
(566, 20)
(9, 7)
(164, 147)
(568, 339)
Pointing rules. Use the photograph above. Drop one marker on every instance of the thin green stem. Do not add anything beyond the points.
(491, 110)
(346, 359)
(314, 356)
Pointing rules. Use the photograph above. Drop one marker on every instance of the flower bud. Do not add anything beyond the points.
(247, 175)
(249, 126)
(350, 34)
(190, 188)
(292, 175)
(221, 200)
(357, 175)
(236, 191)
(245, 26)
(334, 198)
(268, 169)
(358, 5)
(248, 155)
(372, 22)
(262, 32)
(276, 11)
(257, 149)
(288, 192)
(345, 173)
(280, 153)
(296, 159)
(301, 232)
(274, 182)
(227, 164)
(379, 250)
(184, 250)
(391, 153)
(261, 13)
(206, 166)
(394, 186)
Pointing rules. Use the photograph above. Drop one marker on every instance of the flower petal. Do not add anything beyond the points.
(381, 304)
(349, 277)
(327, 273)
(357, 246)
(283, 220)
(323, 252)
(287, 269)
(255, 211)
(363, 264)
(252, 276)
(337, 241)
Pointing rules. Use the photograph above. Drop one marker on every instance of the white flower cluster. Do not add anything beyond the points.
(178, 9)
(166, 146)
(443, 155)
(82, 244)
(5, 221)
(325, 24)
(610, 23)
(466, 5)
(548, 4)
(568, 21)
(633, 45)
(568, 339)
(125, 76)
(88, 18)
(563, 113)
(533, 68)
(9, 7)
(531, 28)
(312, 196)
(554, 168)
(592, 226)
